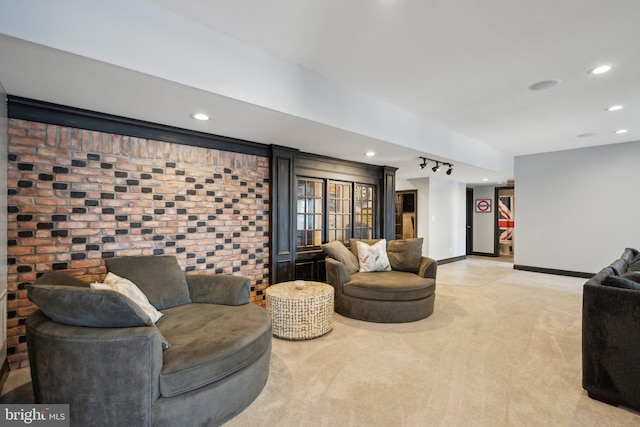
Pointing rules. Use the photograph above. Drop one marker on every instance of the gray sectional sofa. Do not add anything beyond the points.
(201, 363)
(405, 293)
(611, 332)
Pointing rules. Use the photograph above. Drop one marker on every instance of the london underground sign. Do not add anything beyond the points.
(483, 205)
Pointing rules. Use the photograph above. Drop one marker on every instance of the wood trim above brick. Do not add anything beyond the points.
(46, 112)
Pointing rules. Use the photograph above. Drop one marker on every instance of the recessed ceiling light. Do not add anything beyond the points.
(485, 179)
(544, 85)
(370, 153)
(586, 135)
(615, 108)
(622, 131)
(200, 116)
(600, 69)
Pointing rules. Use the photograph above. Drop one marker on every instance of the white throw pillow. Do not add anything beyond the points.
(373, 258)
(130, 290)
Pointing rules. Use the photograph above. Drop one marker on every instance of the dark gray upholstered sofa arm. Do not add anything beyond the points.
(428, 268)
(611, 344)
(219, 289)
(113, 372)
(336, 273)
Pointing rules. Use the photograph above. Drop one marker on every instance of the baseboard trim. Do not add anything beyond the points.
(454, 259)
(484, 254)
(553, 271)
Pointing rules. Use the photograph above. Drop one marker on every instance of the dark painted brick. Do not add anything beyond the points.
(107, 196)
(91, 203)
(146, 190)
(78, 194)
(122, 231)
(78, 256)
(157, 170)
(158, 251)
(108, 254)
(60, 186)
(25, 234)
(59, 217)
(78, 163)
(25, 167)
(108, 239)
(146, 176)
(45, 226)
(170, 164)
(60, 169)
(106, 165)
(120, 189)
(93, 156)
(79, 210)
(93, 247)
(120, 174)
(59, 233)
(25, 184)
(133, 182)
(60, 266)
(108, 211)
(24, 217)
(78, 240)
(122, 217)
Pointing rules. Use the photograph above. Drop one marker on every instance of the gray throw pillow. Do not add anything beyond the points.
(78, 306)
(338, 251)
(405, 255)
(53, 277)
(160, 278)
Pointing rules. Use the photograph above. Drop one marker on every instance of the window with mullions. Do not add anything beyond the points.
(364, 211)
(310, 211)
(339, 198)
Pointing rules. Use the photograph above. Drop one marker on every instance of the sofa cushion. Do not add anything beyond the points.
(599, 278)
(127, 288)
(621, 282)
(619, 266)
(338, 251)
(210, 342)
(373, 258)
(405, 255)
(81, 306)
(159, 277)
(389, 286)
(629, 254)
(635, 264)
(632, 275)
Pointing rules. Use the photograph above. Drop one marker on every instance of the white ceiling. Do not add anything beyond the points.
(460, 65)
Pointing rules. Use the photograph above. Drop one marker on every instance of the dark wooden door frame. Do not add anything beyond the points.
(469, 225)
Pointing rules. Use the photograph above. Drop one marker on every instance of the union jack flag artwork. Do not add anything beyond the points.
(505, 217)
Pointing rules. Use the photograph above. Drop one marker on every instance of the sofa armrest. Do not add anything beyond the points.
(103, 373)
(219, 289)
(428, 268)
(611, 344)
(336, 273)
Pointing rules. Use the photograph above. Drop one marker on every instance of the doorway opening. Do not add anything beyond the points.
(406, 214)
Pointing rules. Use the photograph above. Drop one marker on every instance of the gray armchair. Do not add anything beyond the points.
(216, 363)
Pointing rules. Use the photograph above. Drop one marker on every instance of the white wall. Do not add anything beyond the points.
(577, 209)
(447, 216)
(484, 223)
(4, 141)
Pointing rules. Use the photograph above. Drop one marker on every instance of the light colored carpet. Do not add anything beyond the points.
(501, 349)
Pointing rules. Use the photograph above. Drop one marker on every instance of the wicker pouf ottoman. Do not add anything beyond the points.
(300, 314)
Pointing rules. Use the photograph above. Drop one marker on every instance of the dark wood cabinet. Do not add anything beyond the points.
(316, 199)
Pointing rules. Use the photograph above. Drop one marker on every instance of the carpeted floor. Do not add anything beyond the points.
(501, 349)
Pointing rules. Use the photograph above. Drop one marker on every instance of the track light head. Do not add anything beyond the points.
(436, 167)
(450, 169)
(424, 163)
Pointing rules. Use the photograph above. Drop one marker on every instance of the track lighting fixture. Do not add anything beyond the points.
(438, 165)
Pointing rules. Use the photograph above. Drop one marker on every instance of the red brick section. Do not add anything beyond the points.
(77, 197)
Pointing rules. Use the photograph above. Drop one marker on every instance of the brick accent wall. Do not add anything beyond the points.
(77, 197)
